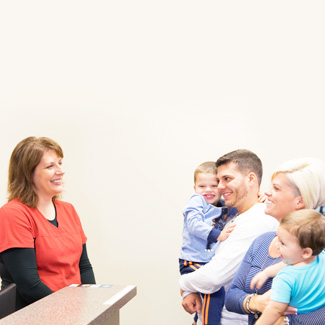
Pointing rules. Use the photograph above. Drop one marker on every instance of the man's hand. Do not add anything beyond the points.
(192, 303)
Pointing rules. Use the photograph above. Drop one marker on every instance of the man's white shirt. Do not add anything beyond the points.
(228, 256)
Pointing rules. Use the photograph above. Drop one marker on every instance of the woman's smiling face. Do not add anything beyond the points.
(282, 198)
(48, 174)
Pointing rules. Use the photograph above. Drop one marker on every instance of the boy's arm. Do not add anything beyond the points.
(270, 272)
(273, 311)
(195, 220)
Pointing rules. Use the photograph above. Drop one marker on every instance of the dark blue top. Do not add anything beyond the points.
(257, 257)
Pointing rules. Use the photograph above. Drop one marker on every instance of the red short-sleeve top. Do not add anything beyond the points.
(58, 249)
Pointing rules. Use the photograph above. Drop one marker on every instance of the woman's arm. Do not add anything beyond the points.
(21, 266)
(316, 317)
(86, 270)
(240, 291)
(236, 295)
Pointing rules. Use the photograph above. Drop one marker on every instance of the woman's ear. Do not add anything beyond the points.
(300, 204)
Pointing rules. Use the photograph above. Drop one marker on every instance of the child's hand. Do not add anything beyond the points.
(258, 280)
(226, 232)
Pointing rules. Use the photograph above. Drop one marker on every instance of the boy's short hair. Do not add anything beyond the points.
(246, 160)
(308, 226)
(208, 167)
(307, 175)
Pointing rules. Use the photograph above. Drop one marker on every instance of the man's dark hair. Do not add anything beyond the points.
(247, 161)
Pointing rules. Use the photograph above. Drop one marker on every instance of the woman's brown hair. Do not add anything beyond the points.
(23, 161)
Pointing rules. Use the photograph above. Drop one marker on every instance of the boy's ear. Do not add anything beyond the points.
(307, 252)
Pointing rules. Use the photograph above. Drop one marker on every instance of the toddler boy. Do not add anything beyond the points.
(301, 280)
(204, 220)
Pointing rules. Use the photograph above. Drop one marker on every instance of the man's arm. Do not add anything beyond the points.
(229, 253)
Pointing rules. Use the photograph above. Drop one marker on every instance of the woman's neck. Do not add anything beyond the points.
(47, 208)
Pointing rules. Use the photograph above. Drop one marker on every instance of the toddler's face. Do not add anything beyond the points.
(288, 246)
(207, 186)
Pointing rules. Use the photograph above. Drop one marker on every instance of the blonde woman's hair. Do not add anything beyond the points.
(307, 177)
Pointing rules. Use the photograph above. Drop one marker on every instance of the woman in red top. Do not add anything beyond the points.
(42, 243)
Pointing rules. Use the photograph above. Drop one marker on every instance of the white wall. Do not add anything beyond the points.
(138, 93)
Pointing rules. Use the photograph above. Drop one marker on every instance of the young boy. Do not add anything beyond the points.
(300, 278)
(204, 220)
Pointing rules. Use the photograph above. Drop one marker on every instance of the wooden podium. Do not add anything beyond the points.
(79, 305)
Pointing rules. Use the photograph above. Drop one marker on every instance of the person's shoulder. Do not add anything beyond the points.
(257, 212)
(64, 204)
(197, 197)
(66, 209)
(321, 257)
(14, 211)
(197, 200)
(15, 206)
(266, 237)
(263, 240)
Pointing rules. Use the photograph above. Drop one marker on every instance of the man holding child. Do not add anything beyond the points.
(239, 175)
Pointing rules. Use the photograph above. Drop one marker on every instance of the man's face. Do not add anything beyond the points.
(233, 185)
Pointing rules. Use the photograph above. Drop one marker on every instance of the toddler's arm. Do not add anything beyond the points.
(273, 311)
(269, 272)
(226, 232)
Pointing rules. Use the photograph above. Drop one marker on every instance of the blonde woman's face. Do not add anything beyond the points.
(281, 197)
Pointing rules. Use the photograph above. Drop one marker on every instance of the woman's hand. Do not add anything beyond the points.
(291, 311)
(259, 302)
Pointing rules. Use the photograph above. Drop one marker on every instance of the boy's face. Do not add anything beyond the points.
(288, 246)
(207, 185)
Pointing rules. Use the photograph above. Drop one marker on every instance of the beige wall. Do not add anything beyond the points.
(138, 93)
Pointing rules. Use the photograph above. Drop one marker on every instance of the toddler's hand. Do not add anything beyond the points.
(258, 280)
(226, 232)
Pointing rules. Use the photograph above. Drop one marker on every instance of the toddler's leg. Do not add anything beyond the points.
(188, 267)
(212, 307)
